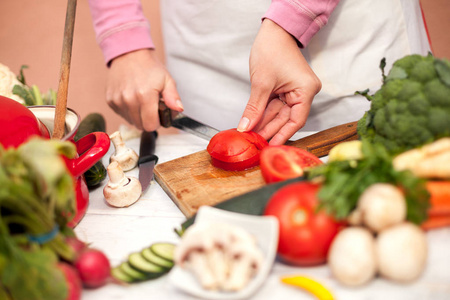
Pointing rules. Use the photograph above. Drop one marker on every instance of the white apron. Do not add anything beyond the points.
(208, 42)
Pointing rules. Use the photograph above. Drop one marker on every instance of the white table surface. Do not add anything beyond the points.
(121, 231)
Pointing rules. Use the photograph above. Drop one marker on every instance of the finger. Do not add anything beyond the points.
(114, 103)
(171, 97)
(259, 96)
(149, 111)
(271, 112)
(131, 102)
(276, 124)
(273, 108)
(297, 119)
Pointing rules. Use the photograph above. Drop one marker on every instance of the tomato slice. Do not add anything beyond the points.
(284, 162)
(233, 150)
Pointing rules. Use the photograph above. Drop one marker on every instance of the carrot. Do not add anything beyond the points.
(439, 211)
(436, 222)
(439, 198)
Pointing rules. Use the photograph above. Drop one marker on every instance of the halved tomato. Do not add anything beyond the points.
(232, 150)
(284, 162)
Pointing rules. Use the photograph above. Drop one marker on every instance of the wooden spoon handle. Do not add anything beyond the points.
(61, 96)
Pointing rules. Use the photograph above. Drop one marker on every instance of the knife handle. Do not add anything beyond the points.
(165, 115)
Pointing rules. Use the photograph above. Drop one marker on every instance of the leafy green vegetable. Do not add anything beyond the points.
(37, 196)
(412, 107)
(345, 181)
(31, 94)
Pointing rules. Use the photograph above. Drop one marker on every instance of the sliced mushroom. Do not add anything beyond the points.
(245, 260)
(125, 156)
(194, 252)
(121, 190)
(221, 256)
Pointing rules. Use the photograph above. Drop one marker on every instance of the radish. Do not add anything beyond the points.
(74, 286)
(94, 268)
(76, 245)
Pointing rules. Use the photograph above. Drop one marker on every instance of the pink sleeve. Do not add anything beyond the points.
(120, 27)
(301, 18)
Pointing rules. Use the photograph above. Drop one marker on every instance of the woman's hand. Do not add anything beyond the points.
(135, 84)
(282, 86)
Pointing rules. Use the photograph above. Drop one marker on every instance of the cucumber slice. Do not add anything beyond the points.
(163, 250)
(137, 261)
(157, 260)
(120, 275)
(137, 275)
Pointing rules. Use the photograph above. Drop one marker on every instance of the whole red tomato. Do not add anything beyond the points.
(232, 150)
(305, 233)
(284, 162)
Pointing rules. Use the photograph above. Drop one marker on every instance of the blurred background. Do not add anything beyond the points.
(31, 33)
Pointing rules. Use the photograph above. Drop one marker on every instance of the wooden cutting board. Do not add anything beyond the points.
(191, 181)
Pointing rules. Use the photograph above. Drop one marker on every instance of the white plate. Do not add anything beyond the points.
(265, 230)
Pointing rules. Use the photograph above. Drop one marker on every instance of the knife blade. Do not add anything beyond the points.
(147, 158)
(184, 123)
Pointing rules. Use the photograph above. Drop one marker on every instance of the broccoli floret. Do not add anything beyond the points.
(424, 71)
(437, 93)
(412, 107)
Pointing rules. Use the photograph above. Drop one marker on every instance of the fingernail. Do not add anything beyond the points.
(179, 104)
(243, 124)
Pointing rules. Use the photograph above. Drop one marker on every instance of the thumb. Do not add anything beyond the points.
(171, 97)
(254, 110)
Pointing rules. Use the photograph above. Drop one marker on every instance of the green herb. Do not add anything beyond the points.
(345, 181)
(31, 94)
(37, 198)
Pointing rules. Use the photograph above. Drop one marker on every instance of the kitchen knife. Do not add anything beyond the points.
(147, 158)
(184, 123)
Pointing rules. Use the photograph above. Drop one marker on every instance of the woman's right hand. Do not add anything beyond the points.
(136, 81)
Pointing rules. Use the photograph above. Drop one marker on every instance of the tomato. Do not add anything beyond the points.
(305, 234)
(284, 162)
(235, 151)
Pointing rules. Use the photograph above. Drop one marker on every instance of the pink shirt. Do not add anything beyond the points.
(121, 26)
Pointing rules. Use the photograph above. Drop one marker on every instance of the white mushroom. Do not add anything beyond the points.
(221, 256)
(194, 254)
(245, 260)
(381, 205)
(352, 258)
(121, 191)
(401, 252)
(125, 156)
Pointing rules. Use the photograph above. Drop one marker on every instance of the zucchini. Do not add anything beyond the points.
(163, 250)
(120, 275)
(132, 273)
(93, 122)
(96, 174)
(150, 263)
(138, 262)
(150, 256)
(251, 203)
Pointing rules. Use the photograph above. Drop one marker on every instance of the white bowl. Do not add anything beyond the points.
(263, 228)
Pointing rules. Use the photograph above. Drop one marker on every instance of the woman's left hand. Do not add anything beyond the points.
(282, 86)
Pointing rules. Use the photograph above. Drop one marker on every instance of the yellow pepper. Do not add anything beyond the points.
(310, 285)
